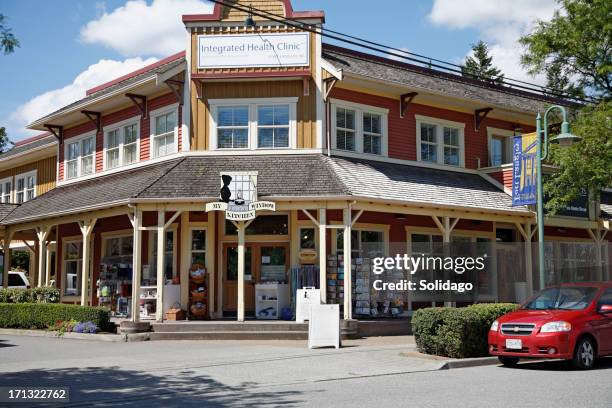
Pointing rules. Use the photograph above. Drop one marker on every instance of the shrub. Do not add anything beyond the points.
(456, 332)
(46, 294)
(44, 315)
(85, 327)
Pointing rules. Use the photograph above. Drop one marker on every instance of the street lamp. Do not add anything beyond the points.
(564, 139)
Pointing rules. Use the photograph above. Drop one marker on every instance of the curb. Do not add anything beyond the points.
(114, 338)
(469, 362)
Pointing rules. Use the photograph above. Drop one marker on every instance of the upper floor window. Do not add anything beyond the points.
(440, 141)
(80, 156)
(121, 145)
(500, 146)
(359, 128)
(6, 188)
(25, 187)
(260, 123)
(164, 137)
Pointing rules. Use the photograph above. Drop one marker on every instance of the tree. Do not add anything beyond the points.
(8, 41)
(574, 48)
(5, 143)
(480, 65)
(586, 164)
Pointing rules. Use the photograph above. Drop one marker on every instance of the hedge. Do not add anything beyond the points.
(456, 332)
(46, 294)
(44, 315)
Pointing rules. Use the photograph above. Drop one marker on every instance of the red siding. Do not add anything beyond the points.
(504, 177)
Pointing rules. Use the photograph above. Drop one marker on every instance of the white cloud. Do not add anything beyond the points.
(41, 105)
(138, 28)
(500, 23)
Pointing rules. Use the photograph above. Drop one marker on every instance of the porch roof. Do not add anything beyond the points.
(197, 178)
(6, 209)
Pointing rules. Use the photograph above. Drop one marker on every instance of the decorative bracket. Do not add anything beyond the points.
(405, 100)
(177, 88)
(58, 131)
(479, 116)
(95, 118)
(198, 87)
(328, 85)
(140, 101)
(306, 85)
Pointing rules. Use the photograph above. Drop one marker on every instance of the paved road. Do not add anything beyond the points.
(237, 374)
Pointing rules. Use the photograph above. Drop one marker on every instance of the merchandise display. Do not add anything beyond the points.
(271, 299)
(198, 293)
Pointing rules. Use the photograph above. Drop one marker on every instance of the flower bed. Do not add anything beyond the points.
(47, 315)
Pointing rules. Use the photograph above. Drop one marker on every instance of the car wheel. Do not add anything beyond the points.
(584, 355)
(508, 361)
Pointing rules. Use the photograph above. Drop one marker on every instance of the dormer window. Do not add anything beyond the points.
(440, 141)
(121, 144)
(80, 156)
(164, 131)
(359, 128)
(25, 187)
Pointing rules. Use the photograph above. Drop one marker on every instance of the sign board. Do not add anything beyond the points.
(578, 208)
(254, 50)
(524, 176)
(238, 197)
(324, 326)
(304, 298)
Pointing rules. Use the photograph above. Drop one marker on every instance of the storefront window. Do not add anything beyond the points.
(307, 238)
(198, 247)
(364, 244)
(263, 225)
(72, 267)
(170, 267)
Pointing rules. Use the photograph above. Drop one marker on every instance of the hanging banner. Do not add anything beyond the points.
(524, 176)
(238, 195)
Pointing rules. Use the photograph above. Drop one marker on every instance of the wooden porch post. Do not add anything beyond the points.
(136, 264)
(348, 312)
(42, 233)
(161, 265)
(86, 229)
(323, 254)
(8, 237)
(446, 227)
(241, 239)
(598, 237)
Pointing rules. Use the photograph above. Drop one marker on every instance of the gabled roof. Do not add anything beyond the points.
(437, 82)
(23, 146)
(6, 209)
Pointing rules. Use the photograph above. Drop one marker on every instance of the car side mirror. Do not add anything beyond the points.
(605, 309)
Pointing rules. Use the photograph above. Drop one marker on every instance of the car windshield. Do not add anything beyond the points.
(562, 298)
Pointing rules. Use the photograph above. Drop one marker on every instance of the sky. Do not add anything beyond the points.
(69, 46)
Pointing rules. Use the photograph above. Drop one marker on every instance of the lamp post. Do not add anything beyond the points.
(565, 139)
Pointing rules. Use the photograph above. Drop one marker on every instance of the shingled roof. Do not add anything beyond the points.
(437, 82)
(290, 176)
(6, 209)
(36, 142)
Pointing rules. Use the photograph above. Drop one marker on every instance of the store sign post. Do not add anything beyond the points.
(254, 50)
(238, 195)
(524, 176)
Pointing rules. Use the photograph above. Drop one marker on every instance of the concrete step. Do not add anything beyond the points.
(180, 327)
(229, 335)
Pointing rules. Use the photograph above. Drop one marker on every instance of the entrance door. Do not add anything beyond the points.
(263, 262)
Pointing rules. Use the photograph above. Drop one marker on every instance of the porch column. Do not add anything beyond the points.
(136, 220)
(527, 234)
(446, 226)
(8, 237)
(323, 254)
(86, 227)
(348, 312)
(598, 237)
(241, 239)
(161, 265)
(42, 233)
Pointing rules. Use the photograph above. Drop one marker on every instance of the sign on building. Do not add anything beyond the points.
(254, 50)
(524, 176)
(238, 197)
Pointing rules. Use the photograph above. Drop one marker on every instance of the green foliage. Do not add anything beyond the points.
(20, 260)
(63, 326)
(5, 143)
(46, 294)
(456, 332)
(480, 65)
(587, 164)
(8, 41)
(573, 48)
(45, 315)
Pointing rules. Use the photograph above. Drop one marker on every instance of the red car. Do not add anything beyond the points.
(570, 322)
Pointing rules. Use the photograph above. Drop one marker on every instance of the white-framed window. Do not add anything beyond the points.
(72, 267)
(169, 254)
(6, 190)
(121, 144)
(198, 246)
(500, 146)
(164, 131)
(25, 187)
(359, 128)
(80, 156)
(258, 123)
(440, 141)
